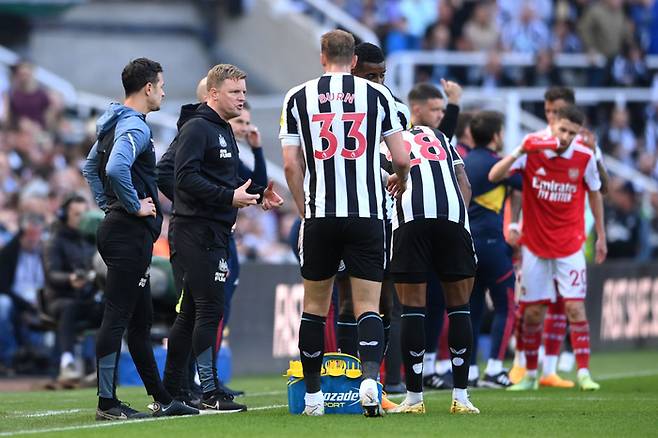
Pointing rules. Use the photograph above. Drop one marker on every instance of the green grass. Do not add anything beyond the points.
(627, 405)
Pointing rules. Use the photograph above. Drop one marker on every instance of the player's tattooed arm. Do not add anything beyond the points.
(464, 183)
(293, 166)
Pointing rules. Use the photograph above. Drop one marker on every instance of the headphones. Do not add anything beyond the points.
(62, 212)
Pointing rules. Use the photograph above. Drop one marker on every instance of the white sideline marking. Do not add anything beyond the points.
(22, 414)
(626, 375)
(261, 394)
(112, 423)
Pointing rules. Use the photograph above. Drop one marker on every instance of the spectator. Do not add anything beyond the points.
(564, 39)
(543, 73)
(629, 68)
(509, 10)
(21, 276)
(27, 100)
(481, 32)
(418, 14)
(622, 221)
(619, 139)
(527, 34)
(653, 226)
(70, 290)
(604, 28)
(492, 75)
(437, 38)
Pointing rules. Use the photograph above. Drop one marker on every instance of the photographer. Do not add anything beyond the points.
(70, 289)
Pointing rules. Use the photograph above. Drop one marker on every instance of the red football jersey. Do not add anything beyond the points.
(554, 189)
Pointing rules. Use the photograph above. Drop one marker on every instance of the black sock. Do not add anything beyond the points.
(460, 340)
(347, 334)
(386, 321)
(412, 341)
(311, 349)
(371, 343)
(107, 403)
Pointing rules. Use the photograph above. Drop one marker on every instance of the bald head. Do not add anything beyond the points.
(201, 90)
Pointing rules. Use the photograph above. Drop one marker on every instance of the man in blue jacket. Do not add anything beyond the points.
(494, 271)
(120, 169)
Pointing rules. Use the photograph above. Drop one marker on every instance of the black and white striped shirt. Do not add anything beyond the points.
(338, 120)
(432, 189)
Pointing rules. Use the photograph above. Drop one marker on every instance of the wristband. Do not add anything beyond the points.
(517, 152)
(513, 226)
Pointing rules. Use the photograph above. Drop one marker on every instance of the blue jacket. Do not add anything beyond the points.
(120, 167)
(485, 212)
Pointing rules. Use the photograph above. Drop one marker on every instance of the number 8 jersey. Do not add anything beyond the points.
(338, 120)
(432, 189)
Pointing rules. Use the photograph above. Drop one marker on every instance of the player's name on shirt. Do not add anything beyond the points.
(338, 120)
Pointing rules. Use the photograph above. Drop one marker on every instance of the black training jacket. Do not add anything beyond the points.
(206, 169)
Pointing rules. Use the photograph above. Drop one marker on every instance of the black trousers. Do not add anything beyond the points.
(71, 314)
(202, 251)
(126, 245)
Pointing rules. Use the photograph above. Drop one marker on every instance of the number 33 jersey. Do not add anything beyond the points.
(432, 188)
(338, 120)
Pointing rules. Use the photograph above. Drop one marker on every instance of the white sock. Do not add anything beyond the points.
(519, 359)
(443, 366)
(531, 373)
(473, 372)
(66, 359)
(461, 395)
(494, 367)
(428, 364)
(549, 365)
(313, 399)
(414, 397)
(583, 372)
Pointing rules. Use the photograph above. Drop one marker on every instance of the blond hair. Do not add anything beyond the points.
(221, 72)
(338, 46)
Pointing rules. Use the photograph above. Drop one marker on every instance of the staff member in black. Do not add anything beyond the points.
(207, 193)
(120, 169)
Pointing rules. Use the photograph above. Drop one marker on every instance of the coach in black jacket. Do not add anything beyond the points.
(208, 192)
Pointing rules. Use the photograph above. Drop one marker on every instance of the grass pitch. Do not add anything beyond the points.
(627, 405)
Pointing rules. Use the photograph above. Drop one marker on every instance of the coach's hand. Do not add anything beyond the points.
(271, 199)
(396, 186)
(601, 250)
(243, 199)
(146, 208)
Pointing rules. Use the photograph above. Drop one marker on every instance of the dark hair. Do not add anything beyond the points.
(246, 106)
(368, 52)
(424, 91)
(463, 122)
(72, 198)
(338, 46)
(485, 125)
(138, 73)
(557, 93)
(572, 113)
